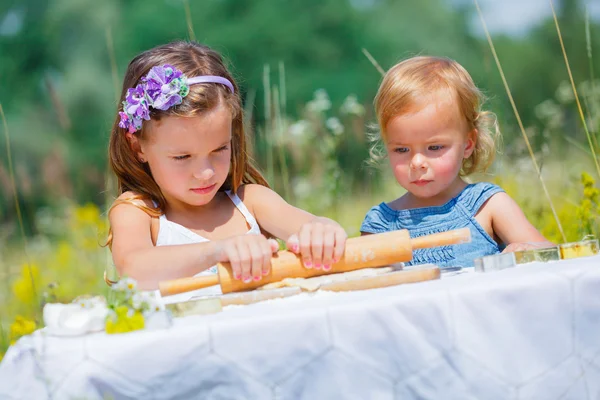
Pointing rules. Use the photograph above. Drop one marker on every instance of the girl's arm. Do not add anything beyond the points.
(135, 255)
(510, 224)
(319, 240)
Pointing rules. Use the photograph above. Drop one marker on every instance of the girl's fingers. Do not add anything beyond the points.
(340, 244)
(265, 265)
(293, 244)
(270, 246)
(230, 254)
(249, 256)
(316, 245)
(267, 252)
(245, 260)
(234, 260)
(274, 245)
(256, 257)
(304, 238)
(328, 248)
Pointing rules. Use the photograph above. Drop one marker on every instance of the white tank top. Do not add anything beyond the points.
(172, 233)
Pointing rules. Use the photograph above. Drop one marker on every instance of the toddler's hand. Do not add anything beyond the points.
(320, 242)
(249, 255)
(526, 246)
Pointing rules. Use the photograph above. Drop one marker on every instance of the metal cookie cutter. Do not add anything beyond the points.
(497, 262)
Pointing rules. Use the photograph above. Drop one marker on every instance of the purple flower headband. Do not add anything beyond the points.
(162, 88)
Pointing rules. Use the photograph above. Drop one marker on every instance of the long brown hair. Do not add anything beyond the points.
(193, 59)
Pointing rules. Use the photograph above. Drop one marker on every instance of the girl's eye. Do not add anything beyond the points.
(180, 158)
(401, 150)
(435, 148)
(220, 149)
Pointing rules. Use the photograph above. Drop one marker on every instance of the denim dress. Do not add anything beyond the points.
(457, 213)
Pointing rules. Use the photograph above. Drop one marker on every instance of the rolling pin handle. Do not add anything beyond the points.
(175, 286)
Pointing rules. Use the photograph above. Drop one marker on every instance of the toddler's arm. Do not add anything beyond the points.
(510, 224)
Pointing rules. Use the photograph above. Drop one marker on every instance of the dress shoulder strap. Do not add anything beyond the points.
(254, 228)
(475, 195)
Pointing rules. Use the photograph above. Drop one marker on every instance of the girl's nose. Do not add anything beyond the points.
(418, 162)
(204, 173)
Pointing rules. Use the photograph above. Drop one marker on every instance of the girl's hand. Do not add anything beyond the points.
(249, 255)
(320, 242)
(526, 246)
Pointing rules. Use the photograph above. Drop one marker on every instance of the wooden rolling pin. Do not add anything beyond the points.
(385, 280)
(361, 252)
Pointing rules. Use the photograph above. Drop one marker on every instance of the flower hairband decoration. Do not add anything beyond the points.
(162, 88)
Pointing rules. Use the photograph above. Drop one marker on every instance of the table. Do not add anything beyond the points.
(531, 332)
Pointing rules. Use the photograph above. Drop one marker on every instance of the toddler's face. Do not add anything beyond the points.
(189, 156)
(426, 146)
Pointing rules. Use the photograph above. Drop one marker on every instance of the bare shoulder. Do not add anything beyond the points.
(500, 203)
(134, 198)
(132, 225)
(131, 221)
(253, 189)
(128, 206)
(256, 195)
(509, 222)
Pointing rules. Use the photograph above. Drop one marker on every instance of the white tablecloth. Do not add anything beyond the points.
(531, 332)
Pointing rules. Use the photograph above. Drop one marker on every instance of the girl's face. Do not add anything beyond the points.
(426, 147)
(189, 157)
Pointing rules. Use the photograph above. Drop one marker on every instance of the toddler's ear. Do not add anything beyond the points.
(471, 143)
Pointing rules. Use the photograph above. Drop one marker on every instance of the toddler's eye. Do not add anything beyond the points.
(401, 150)
(179, 158)
(220, 149)
(435, 148)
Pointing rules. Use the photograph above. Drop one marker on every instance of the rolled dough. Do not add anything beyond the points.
(313, 284)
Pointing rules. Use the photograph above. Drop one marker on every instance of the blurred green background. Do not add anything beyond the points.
(308, 88)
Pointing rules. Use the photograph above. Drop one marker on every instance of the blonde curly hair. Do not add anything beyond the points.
(408, 81)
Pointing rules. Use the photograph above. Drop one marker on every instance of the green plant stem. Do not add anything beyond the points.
(514, 107)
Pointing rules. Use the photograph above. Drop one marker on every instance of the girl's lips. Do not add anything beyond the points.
(204, 190)
(420, 182)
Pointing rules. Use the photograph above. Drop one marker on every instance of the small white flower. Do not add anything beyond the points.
(335, 126)
(321, 94)
(137, 300)
(126, 285)
(550, 113)
(130, 284)
(299, 128)
(351, 106)
(154, 304)
(119, 286)
(85, 303)
(588, 89)
(147, 301)
(320, 103)
(545, 149)
(564, 93)
(89, 302)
